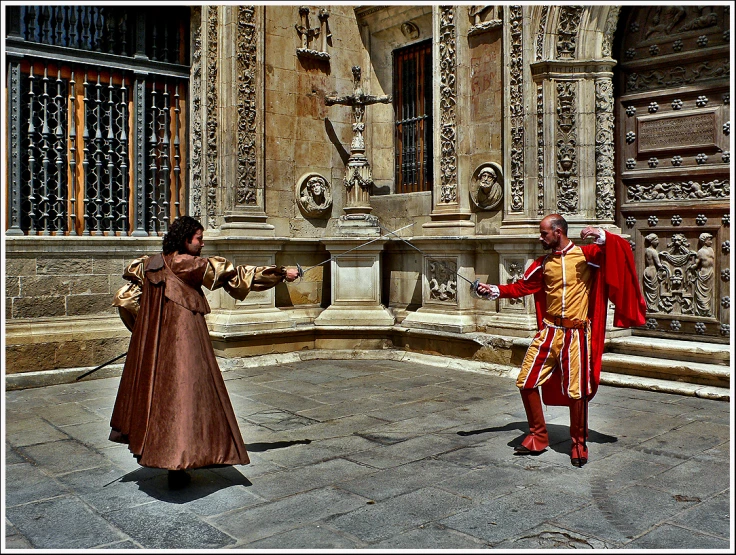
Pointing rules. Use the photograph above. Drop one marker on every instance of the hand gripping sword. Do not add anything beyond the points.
(303, 271)
(473, 284)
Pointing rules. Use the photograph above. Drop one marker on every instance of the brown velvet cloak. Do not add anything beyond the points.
(172, 407)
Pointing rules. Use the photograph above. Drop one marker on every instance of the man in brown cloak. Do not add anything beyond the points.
(172, 407)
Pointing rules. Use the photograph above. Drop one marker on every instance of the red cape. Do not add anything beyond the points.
(614, 281)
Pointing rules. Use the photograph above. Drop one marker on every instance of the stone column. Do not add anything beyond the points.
(356, 286)
(451, 212)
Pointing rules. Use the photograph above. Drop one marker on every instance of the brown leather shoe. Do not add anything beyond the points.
(523, 450)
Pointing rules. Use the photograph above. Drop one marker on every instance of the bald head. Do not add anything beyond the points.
(553, 232)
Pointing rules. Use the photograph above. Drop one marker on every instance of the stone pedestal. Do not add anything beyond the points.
(356, 285)
(447, 303)
(257, 312)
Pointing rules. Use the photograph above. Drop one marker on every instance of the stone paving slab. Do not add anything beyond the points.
(375, 454)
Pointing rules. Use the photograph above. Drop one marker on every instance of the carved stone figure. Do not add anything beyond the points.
(486, 190)
(665, 18)
(314, 196)
(654, 272)
(442, 282)
(483, 18)
(704, 270)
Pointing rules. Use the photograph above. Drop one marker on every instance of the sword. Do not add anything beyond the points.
(473, 284)
(101, 366)
(303, 271)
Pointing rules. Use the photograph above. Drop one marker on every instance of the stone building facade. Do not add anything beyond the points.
(254, 122)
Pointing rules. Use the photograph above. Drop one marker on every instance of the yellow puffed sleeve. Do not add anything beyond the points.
(238, 281)
(126, 298)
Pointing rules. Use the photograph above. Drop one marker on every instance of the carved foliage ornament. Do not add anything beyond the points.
(540, 150)
(516, 108)
(486, 187)
(567, 167)
(246, 71)
(196, 95)
(610, 28)
(212, 114)
(540, 32)
(314, 196)
(448, 100)
(567, 31)
(604, 166)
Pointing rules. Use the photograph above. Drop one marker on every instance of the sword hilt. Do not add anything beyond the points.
(474, 291)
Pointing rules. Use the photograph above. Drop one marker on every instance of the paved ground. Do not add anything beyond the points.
(377, 455)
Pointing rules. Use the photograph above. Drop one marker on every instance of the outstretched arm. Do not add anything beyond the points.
(530, 284)
(238, 281)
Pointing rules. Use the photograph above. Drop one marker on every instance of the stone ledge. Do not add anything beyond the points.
(666, 386)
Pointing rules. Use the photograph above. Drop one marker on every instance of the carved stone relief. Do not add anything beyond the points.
(212, 115)
(567, 31)
(246, 75)
(515, 272)
(516, 108)
(314, 196)
(196, 114)
(483, 18)
(567, 167)
(308, 35)
(540, 150)
(679, 280)
(609, 29)
(410, 30)
(605, 182)
(441, 275)
(486, 186)
(448, 100)
(541, 31)
(679, 190)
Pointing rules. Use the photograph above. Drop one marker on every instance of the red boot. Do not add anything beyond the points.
(578, 432)
(537, 440)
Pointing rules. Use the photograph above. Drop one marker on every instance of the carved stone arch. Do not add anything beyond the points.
(595, 32)
(593, 28)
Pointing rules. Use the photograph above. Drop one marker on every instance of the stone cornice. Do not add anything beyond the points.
(584, 68)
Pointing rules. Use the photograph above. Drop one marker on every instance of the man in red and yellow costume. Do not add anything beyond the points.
(571, 286)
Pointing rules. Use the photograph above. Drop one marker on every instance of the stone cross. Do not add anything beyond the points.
(358, 170)
(358, 101)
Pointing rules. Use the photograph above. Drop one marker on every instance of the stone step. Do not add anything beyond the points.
(673, 370)
(666, 386)
(653, 347)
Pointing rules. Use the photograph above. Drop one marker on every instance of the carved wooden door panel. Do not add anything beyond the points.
(673, 160)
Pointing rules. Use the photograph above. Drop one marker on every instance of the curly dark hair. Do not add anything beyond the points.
(182, 229)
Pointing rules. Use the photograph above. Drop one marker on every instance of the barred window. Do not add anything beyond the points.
(413, 116)
(97, 138)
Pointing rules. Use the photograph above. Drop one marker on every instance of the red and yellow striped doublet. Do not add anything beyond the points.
(566, 277)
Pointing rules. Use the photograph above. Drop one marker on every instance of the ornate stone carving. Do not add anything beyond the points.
(358, 177)
(567, 168)
(672, 76)
(448, 100)
(704, 278)
(679, 190)
(680, 280)
(609, 29)
(567, 31)
(541, 31)
(410, 30)
(486, 187)
(246, 74)
(605, 182)
(212, 117)
(483, 18)
(308, 35)
(540, 150)
(515, 272)
(196, 115)
(654, 273)
(314, 196)
(442, 280)
(516, 108)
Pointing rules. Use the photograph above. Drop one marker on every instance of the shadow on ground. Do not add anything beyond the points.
(558, 435)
